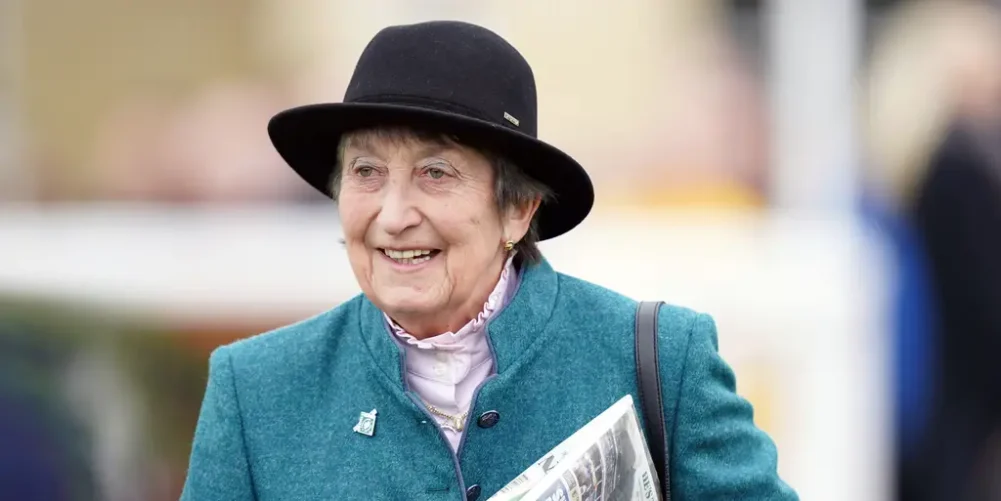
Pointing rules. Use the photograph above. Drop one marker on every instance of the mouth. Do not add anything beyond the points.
(410, 257)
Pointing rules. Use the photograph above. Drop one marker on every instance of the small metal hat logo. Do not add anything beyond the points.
(509, 118)
(366, 423)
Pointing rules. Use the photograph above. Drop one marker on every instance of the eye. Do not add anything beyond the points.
(435, 172)
(364, 171)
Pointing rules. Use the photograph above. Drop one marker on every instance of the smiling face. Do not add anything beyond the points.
(422, 228)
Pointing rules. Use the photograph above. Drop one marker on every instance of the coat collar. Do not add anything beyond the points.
(511, 331)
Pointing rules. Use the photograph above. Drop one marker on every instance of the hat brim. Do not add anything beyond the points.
(307, 138)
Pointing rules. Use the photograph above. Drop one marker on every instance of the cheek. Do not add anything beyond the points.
(467, 224)
(355, 216)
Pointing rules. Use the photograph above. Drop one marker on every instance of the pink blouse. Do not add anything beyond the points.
(445, 370)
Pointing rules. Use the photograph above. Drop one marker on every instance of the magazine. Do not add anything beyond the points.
(605, 460)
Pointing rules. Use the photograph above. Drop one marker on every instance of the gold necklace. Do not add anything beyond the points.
(458, 420)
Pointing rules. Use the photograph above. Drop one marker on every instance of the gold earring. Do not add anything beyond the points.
(509, 245)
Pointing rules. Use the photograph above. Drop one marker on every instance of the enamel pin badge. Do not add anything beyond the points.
(366, 423)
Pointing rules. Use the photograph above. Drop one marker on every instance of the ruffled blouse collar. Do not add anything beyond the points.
(451, 340)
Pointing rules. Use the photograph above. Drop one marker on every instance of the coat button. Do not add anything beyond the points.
(488, 419)
(473, 492)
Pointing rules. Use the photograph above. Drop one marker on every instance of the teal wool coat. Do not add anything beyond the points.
(279, 409)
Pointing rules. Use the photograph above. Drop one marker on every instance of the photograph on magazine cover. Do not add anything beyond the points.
(584, 474)
(623, 456)
(597, 471)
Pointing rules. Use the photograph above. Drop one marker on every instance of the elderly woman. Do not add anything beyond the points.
(466, 357)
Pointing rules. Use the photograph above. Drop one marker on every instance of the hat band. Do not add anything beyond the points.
(425, 103)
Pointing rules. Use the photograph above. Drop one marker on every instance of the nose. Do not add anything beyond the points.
(398, 212)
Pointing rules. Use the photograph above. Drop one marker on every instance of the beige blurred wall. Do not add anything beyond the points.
(637, 90)
(83, 57)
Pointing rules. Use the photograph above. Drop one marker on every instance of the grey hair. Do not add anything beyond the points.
(512, 186)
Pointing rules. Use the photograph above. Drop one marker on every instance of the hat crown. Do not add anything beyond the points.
(451, 77)
(449, 66)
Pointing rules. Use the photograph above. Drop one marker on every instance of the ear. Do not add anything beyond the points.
(518, 218)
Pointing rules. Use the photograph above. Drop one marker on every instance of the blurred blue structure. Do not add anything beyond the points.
(43, 456)
(914, 322)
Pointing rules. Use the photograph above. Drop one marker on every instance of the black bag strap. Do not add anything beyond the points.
(651, 400)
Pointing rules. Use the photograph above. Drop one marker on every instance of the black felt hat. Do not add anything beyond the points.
(447, 76)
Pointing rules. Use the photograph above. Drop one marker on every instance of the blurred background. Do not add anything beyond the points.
(822, 176)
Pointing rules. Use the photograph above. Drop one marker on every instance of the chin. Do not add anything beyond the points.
(409, 303)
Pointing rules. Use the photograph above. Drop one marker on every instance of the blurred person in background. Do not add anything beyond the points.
(934, 103)
(474, 354)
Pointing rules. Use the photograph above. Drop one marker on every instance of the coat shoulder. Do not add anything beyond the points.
(581, 296)
(295, 345)
(613, 318)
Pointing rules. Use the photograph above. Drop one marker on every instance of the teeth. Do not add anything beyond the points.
(409, 256)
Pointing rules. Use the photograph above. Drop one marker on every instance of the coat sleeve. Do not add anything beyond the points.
(218, 469)
(717, 451)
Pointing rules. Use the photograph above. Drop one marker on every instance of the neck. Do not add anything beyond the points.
(425, 326)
